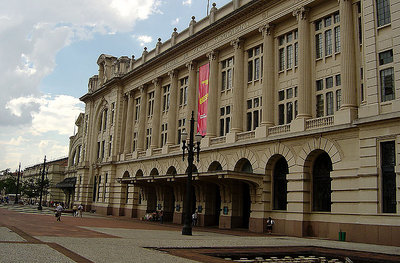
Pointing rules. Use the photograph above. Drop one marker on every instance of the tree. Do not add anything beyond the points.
(31, 187)
(9, 184)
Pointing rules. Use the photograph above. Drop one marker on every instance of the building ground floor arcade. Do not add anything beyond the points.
(313, 185)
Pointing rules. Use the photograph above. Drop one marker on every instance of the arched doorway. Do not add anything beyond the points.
(280, 184)
(321, 183)
(243, 200)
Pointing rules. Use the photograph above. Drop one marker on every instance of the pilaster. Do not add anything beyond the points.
(155, 138)
(212, 106)
(142, 118)
(171, 137)
(238, 92)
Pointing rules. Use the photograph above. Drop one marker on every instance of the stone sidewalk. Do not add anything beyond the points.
(26, 236)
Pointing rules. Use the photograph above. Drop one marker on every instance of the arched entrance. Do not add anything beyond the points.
(321, 183)
(241, 200)
(280, 184)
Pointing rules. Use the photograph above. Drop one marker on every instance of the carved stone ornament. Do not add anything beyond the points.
(266, 30)
(237, 43)
(212, 55)
(173, 74)
(301, 13)
(191, 65)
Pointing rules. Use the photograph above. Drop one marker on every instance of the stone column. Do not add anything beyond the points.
(348, 59)
(212, 106)
(129, 124)
(268, 92)
(172, 129)
(155, 124)
(191, 104)
(142, 118)
(304, 69)
(123, 126)
(238, 94)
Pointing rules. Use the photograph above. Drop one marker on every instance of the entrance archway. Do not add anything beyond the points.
(321, 183)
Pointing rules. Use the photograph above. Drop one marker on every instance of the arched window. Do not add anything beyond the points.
(171, 171)
(322, 183)
(215, 166)
(244, 165)
(280, 184)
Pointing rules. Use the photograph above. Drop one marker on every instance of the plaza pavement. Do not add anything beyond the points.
(28, 235)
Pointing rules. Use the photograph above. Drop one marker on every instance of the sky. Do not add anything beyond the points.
(48, 52)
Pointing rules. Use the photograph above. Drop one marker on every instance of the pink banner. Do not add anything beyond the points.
(204, 72)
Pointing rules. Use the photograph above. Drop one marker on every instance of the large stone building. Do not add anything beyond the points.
(54, 172)
(302, 121)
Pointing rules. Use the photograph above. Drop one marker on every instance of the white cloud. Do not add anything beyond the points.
(187, 2)
(143, 39)
(175, 22)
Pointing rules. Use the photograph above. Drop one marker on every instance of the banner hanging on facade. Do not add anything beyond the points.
(204, 72)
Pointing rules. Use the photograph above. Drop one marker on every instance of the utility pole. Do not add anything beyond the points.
(41, 184)
(16, 194)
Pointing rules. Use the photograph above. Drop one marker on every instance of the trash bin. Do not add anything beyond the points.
(342, 236)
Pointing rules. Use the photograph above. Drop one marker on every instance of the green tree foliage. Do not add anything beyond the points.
(9, 184)
(31, 187)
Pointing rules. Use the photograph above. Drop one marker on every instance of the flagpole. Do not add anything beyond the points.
(208, 6)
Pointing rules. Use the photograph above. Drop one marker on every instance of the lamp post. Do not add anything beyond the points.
(190, 147)
(41, 184)
(16, 194)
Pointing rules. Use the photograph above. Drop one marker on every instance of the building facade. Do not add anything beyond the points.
(54, 172)
(302, 121)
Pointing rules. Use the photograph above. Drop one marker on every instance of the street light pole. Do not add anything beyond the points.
(41, 184)
(190, 147)
(16, 194)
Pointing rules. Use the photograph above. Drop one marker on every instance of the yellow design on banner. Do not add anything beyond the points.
(203, 99)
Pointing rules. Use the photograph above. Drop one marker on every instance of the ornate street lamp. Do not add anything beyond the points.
(41, 184)
(190, 147)
(16, 194)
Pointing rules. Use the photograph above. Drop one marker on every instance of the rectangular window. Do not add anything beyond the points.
(329, 103)
(296, 54)
(109, 146)
(337, 39)
(383, 12)
(329, 82)
(385, 57)
(338, 80)
(166, 97)
(318, 45)
(148, 138)
(181, 128)
(98, 150)
(281, 114)
(225, 120)
(105, 119)
(289, 56)
(387, 84)
(134, 141)
(183, 91)
(137, 109)
(388, 163)
(227, 69)
(112, 112)
(289, 112)
(281, 59)
(338, 99)
(151, 104)
(320, 84)
(320, 106)
(328, 42)
(102, 149)
(164, 129)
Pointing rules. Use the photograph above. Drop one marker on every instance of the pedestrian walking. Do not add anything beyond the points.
(59, 210)
(74, 210)
(80, 210)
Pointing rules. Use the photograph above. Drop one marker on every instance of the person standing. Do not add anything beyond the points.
(194, 218)
(270, 223)
(59, 210)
